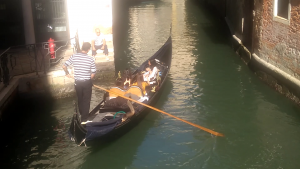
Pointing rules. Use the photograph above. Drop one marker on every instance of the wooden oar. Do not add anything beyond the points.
(153, 108)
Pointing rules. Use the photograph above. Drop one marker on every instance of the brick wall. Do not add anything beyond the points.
(275, 42)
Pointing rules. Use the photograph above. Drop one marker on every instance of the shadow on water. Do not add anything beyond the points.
(212, 24)
(27, 132)
(120, 152)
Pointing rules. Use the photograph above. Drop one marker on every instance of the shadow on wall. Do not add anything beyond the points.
(216, 26)
(120, 33)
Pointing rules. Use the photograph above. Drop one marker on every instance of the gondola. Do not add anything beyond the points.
(108, 117)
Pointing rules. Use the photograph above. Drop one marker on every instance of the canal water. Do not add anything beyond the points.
(208, 85)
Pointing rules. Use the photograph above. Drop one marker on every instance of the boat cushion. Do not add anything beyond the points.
(133, 92)
(98, 129)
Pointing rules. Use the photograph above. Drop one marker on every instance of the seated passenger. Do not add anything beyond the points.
(150, 63)
(151, 72)
(99, 42)
(148, 78)
(141, 83)
(147, 74)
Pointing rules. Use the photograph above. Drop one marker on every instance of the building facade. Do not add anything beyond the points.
(35, 21)
(267, 38)
(11, 23)
(277, 36)
(32, 21)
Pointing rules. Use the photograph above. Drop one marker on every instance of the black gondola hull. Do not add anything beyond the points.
(78, 132)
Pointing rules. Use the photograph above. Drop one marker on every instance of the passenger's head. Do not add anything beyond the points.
(98, 32)
(148, 69)
(127, 73)
(86, 46)
(152, 64)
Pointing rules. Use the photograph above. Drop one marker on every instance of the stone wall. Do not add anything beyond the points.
(271, 48)
(234, 16)
(58, 86)
(234, 13)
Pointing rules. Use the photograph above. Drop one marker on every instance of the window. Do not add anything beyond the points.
(50, 16)
(58, 9)
(282, 11)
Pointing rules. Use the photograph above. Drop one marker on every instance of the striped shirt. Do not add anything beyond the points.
(84, 66)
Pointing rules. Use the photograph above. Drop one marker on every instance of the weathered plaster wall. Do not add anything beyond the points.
(278, 43)
(257, 25)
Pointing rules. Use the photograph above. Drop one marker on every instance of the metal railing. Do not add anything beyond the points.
(33, 58)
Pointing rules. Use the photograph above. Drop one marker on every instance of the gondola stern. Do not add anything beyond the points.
(75, 131)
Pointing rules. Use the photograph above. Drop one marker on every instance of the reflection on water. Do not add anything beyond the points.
(207, 85)
(121, 152)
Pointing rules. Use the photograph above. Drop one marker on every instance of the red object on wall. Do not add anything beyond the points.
(51, 48)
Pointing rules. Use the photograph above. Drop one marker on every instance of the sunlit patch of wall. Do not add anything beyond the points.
(85, 16)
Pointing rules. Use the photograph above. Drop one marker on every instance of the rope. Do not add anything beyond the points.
(119, 112)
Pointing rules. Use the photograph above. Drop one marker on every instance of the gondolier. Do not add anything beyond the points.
(84, 72)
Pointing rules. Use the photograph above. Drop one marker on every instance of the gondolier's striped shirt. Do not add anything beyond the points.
(83, 65)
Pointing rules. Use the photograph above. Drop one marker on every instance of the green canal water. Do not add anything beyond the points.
(208, 85)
